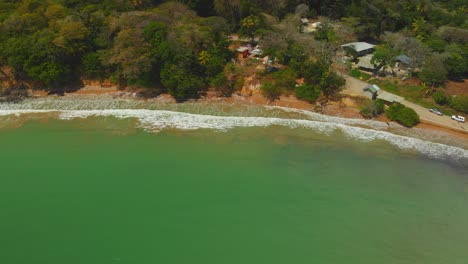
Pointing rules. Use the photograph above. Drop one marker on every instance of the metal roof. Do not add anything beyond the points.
(389, 97)
(257, 52)
(359, 46)
(403, 58)
(373, 88)
(242, 49)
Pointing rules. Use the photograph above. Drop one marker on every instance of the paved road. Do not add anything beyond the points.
(354, 87)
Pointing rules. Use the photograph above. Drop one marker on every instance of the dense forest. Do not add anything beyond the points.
(182, 47)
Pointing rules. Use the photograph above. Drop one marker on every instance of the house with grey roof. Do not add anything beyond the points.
(403, 62)
(360, 48)
(403, 59)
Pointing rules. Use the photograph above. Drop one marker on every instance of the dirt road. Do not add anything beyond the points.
(355, 87)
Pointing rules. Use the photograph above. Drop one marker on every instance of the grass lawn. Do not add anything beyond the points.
(360, 75)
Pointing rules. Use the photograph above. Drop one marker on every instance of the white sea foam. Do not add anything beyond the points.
(24, 111)
(337, 120)
(159, 119)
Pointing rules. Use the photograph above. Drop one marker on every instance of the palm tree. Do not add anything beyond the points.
(203, 57)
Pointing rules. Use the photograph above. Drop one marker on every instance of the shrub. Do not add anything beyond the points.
(181, 83)
(313, 72)
(308, 92)
(460, 103)
(332, 84)
(403, 115)
(239, 83)
(222, 85)
(355, 73)
(440, 98)
(270, 90)
(434, 71)
(92, 66)
(285, 79)
(373, 108)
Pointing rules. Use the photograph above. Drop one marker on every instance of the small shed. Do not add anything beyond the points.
(316, 24)
(360, 48)
(242, 52)
(372, 90)
(257, 52)
(403, 61)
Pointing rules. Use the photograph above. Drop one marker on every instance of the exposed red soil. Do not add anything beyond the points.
(457, 88)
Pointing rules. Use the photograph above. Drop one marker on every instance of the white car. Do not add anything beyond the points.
(458, 118)
(435, 111)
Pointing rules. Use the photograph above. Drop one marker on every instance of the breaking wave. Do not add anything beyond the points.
(154, 120)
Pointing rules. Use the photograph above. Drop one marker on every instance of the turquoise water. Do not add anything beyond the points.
(101, 190)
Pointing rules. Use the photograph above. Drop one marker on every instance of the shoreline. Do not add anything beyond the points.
(346, 108)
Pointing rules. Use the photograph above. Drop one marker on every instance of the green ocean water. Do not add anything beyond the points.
(93, 191)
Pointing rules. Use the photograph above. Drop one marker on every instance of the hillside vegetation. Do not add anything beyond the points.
(181, 47)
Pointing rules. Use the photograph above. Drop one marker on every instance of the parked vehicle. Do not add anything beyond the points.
(458, 118)
(271, 69)
(435, 111)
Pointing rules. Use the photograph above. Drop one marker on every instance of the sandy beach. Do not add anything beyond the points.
(346, 108)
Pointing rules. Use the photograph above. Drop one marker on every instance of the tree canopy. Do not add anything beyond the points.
(181, 46)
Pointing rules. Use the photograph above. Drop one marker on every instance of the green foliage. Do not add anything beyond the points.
(460, 103)
(45, 62)
(250, 26)
(437, 45)
(155, 33)
(72, 36)
(440, 98)
(214, 64)
(270, 90)
(373, 108)
(92, 65)
(295, 57)
(325, 32)
(181, 84)
(403, 115)
(133, 41)
(239, 83)
(352, 53)
(331, 83)
(320, 74)
(285, 79)
(434, 72)
(313, 72)
(453, 34)
(50, 72)
(359, 75)
(130, 54)
(308, 92)
(15, 51)
(456, 62)
(355, 73)
(50, 41)
(385, 56)
(222, 85)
